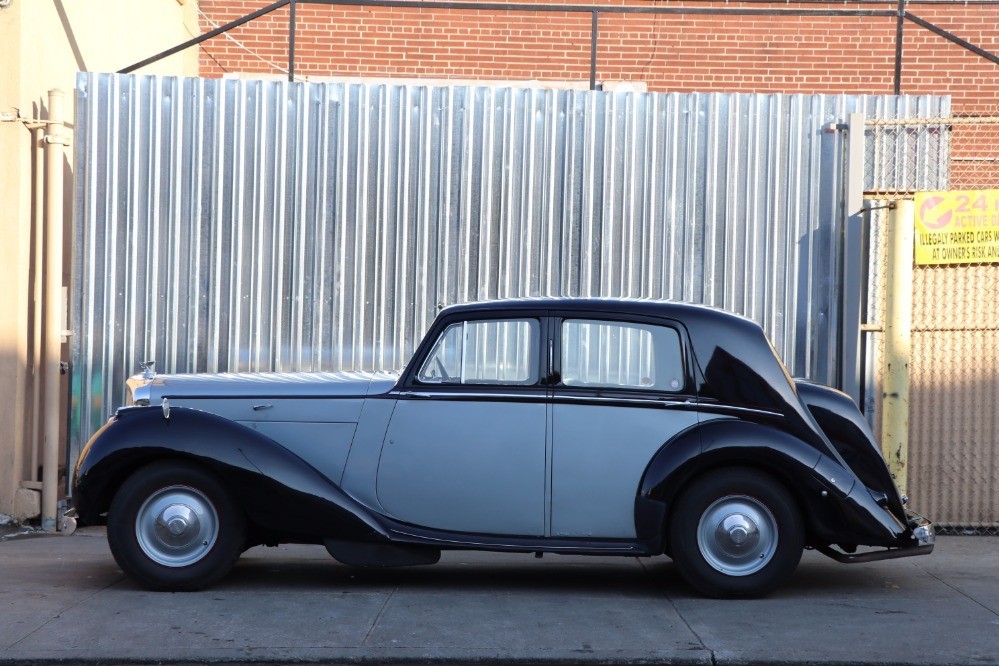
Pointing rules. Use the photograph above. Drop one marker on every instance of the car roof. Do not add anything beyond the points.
(640, 306)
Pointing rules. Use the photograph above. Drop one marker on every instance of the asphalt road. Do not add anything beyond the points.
(64, 599)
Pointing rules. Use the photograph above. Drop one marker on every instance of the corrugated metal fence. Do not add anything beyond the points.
(229, 225)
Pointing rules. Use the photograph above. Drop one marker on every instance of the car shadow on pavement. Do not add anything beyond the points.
(484, 573)
(514, 574)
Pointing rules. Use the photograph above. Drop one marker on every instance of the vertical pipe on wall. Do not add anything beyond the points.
(593, 51)
(899, 29)
(291, 42)
(854, 260)
(38, 221)
(52, 410)
(898, 341)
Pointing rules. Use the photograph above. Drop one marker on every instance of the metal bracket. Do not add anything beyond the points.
(832, 128)
(61, 140)
(14, 116)
(890, 206)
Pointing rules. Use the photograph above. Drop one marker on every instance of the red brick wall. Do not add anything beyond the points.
(668, 53)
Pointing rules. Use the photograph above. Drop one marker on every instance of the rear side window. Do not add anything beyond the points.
(484, 352)
(603, 354)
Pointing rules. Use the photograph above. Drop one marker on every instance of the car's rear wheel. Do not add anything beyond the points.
(173, 526)
(736, 533)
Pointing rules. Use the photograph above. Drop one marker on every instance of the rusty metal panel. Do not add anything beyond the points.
(239, 225)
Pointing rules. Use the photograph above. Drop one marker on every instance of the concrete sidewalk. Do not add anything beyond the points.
(64, 599)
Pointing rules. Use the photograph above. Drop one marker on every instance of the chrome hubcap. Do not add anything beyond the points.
(176, 526)
(737, 535)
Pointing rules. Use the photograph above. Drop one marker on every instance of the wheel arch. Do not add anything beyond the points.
(729, 443)
(277, 490)
(736, 463)
(119, 468)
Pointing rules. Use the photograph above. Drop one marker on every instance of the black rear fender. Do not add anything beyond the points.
(836, 508)
(851, 435)
(279, 491)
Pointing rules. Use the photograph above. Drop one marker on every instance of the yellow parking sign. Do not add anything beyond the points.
(957, 227)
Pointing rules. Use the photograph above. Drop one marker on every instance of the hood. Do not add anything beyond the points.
(260, 384)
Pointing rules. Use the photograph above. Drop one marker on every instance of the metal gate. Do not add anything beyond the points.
(227, 225)
(953, 457)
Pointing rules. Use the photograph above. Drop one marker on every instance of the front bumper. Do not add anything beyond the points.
(921, 539)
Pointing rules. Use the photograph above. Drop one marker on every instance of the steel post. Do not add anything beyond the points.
(38, 282)
(291, 42)
(898, 341)
(854, 259)
(899, 35)
(594, 31)
(52, 410)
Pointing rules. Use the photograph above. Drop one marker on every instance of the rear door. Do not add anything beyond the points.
(623, 390)
(465, 448)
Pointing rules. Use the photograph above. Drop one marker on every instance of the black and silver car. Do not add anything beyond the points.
(584, 426)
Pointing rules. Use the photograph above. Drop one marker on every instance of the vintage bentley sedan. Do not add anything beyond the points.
(602, 427)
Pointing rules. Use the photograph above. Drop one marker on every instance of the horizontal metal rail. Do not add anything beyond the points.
(922, 122)
(602, 9)
(900, 13)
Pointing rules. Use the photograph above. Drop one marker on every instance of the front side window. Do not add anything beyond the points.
(603, 354)
(484, 352)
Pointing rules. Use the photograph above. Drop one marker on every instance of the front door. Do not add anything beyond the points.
(465, 448)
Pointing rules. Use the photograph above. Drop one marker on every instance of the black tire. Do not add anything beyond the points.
(190, 532)
(751, 538)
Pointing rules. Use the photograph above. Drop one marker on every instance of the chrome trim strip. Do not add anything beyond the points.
(643, 402)
(251, 397)
(424, 395)
(639, 402)
(742, 410)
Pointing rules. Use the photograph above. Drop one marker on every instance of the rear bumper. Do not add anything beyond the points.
(920, 541)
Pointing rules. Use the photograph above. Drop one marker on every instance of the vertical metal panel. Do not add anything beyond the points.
(232, 225)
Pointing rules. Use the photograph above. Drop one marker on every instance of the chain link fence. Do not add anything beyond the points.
(954, 370)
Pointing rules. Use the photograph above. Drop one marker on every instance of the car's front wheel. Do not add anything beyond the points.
(736, 533)
(173, 526)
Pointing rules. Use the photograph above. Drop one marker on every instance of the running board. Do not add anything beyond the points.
(408, 534)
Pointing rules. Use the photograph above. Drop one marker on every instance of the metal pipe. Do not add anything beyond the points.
(208, 35)
(899, 27)
(291, 42)
(52, 408)
(606, 9)
(854, 259)
(593, 51)
(899, 13)
(38, 220)
(991, 57)
(898, 342)
(520, 7)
